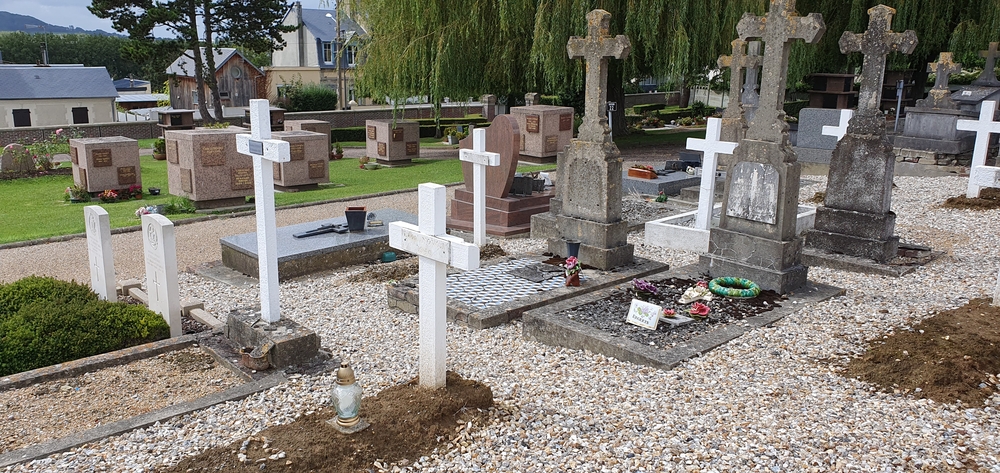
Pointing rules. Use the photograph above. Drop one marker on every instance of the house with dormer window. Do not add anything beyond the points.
(310, 52)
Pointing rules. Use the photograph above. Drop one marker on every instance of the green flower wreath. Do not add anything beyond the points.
(734, 287)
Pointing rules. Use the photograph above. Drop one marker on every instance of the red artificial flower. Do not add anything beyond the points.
(699, 309)
(703, 284)
(669, 312)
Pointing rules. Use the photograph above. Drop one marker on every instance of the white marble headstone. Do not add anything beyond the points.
(102, 260)
(160, 250)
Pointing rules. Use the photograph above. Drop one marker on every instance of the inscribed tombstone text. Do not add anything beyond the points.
(187, 181)
(316, 169)
(298, 151)
(372, 134)
(381, 148)
(531, 123)
(102, 157)
(565, 122)
(412, 148)
(397, 134)
(172, 156)
(73, 156)
(242, 178)
(213, 154)
(126, 175)
(754, 193)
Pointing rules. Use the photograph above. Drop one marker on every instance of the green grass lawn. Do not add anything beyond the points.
(424, 143)
(657, 138)
(34, 208)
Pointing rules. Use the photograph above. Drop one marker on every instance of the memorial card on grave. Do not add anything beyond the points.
(203, 165)
(643, 314)
(105, 163)
(392, 142)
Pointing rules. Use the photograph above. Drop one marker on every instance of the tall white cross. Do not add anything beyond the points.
(260, 145)
(479, 158)
(980, 175)
(841, 129)
(436, 250)
(711, 146)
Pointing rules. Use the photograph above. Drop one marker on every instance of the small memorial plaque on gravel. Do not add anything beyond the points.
(643, 314)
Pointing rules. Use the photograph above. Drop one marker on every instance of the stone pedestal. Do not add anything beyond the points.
(390, 145)
(204, 166)
(101, 164)
(832, 91)
(309, 166)
(176, 120)
(277, 118)
(315, 126)
(545, 129)
(929, 129)
(287, 342)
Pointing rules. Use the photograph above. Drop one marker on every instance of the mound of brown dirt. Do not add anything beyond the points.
(989, 199)
(954, 355)
(406, 423)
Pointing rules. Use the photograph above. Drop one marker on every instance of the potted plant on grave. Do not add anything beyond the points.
(109, 196)
(452, 135)
(159, 149)
(135, 192)
(362, 161)
(337, 152)
(572, 268)
(642, 171)
(76, 194)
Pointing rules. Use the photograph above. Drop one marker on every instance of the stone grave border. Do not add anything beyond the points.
(405, 296)
(545, 326)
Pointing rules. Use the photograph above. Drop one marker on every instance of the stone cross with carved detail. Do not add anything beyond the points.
(781, 25)
(875, 43)
(940, 96)
(736, 63)
(596, 48)
(988, 77)
(751, 85)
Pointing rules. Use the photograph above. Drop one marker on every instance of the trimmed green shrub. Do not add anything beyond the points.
(47, 321)
(792, 109)
(550, 100)
(649, 107)
(354, 133)
(312, 97)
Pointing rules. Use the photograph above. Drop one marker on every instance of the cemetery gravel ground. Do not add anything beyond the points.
(775, 399)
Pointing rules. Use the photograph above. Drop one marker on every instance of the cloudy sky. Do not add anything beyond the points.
(58, 12)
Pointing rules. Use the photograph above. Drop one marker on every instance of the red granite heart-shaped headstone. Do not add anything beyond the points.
(503, 137)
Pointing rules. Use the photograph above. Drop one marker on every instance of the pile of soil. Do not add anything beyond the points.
(952, 356)
(406, 423)
(608, 314)
(989, 199)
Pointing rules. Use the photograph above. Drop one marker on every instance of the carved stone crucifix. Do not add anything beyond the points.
(596, 48)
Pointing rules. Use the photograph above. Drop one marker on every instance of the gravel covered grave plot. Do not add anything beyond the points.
(609, 314)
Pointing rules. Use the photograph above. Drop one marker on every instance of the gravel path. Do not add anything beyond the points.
(772, 400)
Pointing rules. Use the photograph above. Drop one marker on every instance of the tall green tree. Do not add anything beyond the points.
(256, 24)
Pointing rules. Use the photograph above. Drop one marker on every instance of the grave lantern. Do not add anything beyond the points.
(347, 399)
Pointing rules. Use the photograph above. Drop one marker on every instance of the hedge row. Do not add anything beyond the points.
(792, 109)
(427, 128)
(649, 107)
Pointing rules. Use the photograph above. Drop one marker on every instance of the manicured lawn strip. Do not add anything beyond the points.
(424, 143)
(657, 138)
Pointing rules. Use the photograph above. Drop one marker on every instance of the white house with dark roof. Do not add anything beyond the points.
(55, 95)
(310, 53)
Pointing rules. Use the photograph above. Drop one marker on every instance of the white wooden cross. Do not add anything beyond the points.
(841, 129)
(980, 175)
(479, 158)
(711, 146)
(436, 250)
(260, 145)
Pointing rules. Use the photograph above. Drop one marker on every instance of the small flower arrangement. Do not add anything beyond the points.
(699, 310)
(572, 266)
(76, 194)
(696, 292)
(644, 167)
(135, 191)
(644, 289)
(109, 196)
(362, 161)
(669, 313)
(149, 209)
(661, 197)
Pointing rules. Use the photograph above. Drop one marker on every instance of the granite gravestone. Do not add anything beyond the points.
(315, 126)
(986, 87)
(588, 205)
(102, 260)
(100, 164)
(308, 164)
(756, 238)
(203, 165)
(14, 158)
(930, 134)
(855, 218)
(545, 130)
(392, 142)
(734, 123)
(160, 251)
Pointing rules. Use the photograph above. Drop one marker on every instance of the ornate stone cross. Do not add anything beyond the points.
(875, 43)
(596, 48)
(751, 85)
(736, 64)
(479, 158)
(263, 149)
(989, 77)
(781, 25)
(940, 95)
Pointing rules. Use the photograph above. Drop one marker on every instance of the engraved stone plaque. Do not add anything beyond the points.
(381, 148)
(531, 123)
(126, 175)
(412, 148)
(317, 169)
(372, 135)
(172, 152)
(551, 143)
(753, 193)
(72, 155)
(242, 179)
(277, 171)
(213, 154)
(102, 157)
(566, 122)
(397, 134)
(186, 185)
(298, 151)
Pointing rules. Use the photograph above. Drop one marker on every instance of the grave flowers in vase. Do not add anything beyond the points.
(109, 196)
(572, 268)
(76, 194)
(644, 290)
(135, 191)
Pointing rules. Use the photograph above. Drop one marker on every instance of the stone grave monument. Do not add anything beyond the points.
(981, 175)
(545, 130)
(756, 237)
(9, 161)
(588, 202)
(105, 163)
(532, 98)
(855, 218)
(160, 251)
(986, 87)
(735, 117)
(102, 260)
(203, 165)
(392, 142)
(751, 86)
(437, 250)
(315, 126)
(811, 144)
(507, 214)
(309, 164)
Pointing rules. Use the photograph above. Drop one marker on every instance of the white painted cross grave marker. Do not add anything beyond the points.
(102, 260)
(160, 249)
(479, 158)
(436, 250)
(712, 146)
(260, 145)
(981, 175)
(841, 129)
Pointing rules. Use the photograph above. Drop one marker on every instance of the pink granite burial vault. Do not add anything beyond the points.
(392, 145)
(105, 163)
(309, 165)
(315, 126)
(203, 165)
(545, 130)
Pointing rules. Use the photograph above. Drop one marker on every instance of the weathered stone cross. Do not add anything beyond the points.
(260, 145)
(736, 63)
(711, 146)
(841, 129)
(944, 67)
(875, 43)
(750, 97)
(436, 250)
(596, 48)
(989, 77)
(479, 158)
(781, 25)
(981, 175)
